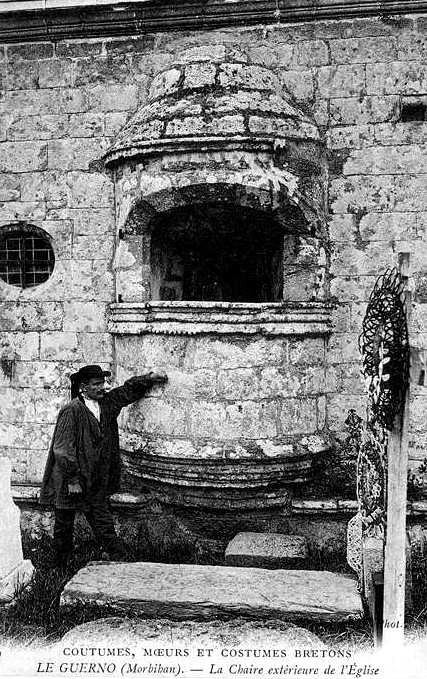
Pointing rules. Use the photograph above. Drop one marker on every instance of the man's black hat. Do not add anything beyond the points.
(87, 372)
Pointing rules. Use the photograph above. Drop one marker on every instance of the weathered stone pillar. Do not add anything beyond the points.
(15, 572)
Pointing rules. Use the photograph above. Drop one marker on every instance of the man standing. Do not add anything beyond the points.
(83, 466)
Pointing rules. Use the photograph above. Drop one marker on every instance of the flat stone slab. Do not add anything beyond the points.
(267, 550)
(116, 631)
(184, 591)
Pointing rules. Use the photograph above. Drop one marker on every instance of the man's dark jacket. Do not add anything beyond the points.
(87, 451)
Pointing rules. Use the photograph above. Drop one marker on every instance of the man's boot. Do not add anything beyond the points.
(118, 551)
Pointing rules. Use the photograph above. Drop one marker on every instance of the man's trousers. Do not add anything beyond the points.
(100, 520)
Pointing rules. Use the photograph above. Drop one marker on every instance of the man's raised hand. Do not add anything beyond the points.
(156, 375)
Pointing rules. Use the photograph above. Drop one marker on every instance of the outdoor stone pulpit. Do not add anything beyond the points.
(15, 572)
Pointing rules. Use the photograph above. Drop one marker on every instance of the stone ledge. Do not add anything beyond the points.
(53, 20)
(192, 318)
(29, 494)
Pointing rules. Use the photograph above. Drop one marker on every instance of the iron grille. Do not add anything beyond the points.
(26, 259)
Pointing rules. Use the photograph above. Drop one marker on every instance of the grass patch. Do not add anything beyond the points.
(35, 618)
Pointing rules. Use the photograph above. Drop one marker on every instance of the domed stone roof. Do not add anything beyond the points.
(206, 104)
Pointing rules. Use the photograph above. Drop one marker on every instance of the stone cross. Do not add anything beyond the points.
(15, 572)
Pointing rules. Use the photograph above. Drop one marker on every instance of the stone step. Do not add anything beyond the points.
(267, 550)
(184, 591)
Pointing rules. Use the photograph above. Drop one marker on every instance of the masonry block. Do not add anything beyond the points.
(250, 76)
(22, 75)
(291, 382)
(142, 43)
(199, 75)
(47, 101)
(85, 316)
(56, 73)
(97, 347)
(311, 53)
(19, 345)
(299, 83)
(23, 156)
(74, 49)
(89, 189)
(158, 417)
(50, 186)
(411, 46)
(9, 187)
(397, 133)
(113, 97)
(44, 374)
(47, 404)
(15, 211)
(309, 351)
(388, 160)
(236, 354)
(180, 385)
(6, 121)
(353, 289)
(237, 384)
(397, 77)
(17, 405)
(352, 136)
(60, 346)
(208, 420)
(205, 384)
(363, 50)
(31, 316)
(113, 123)
(32, 436)
(410, 192)
(90, 247)
(251, 420)
(267, 550)
(341, 81)
(75, 154)
(110, 69)
(369, 194)
(165, 83)
(298, 416)
(158, 350)
(369, 109)
(30, 51)
(91, 221)
(46, 126)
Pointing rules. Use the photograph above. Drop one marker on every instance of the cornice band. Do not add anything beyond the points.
(55, 20)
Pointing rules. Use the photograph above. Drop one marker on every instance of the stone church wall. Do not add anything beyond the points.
(60, 109)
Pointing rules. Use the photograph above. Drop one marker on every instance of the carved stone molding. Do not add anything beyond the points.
(195, 318)
(52, 20)
(240, 481)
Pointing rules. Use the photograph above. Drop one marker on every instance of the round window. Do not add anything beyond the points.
(26, 256)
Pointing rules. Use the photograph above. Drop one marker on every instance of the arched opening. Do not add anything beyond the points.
(217, 252)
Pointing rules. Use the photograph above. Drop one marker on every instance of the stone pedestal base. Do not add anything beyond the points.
(18, 578)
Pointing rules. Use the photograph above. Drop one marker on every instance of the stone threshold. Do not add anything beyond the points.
(53, 20)
(28, 494)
